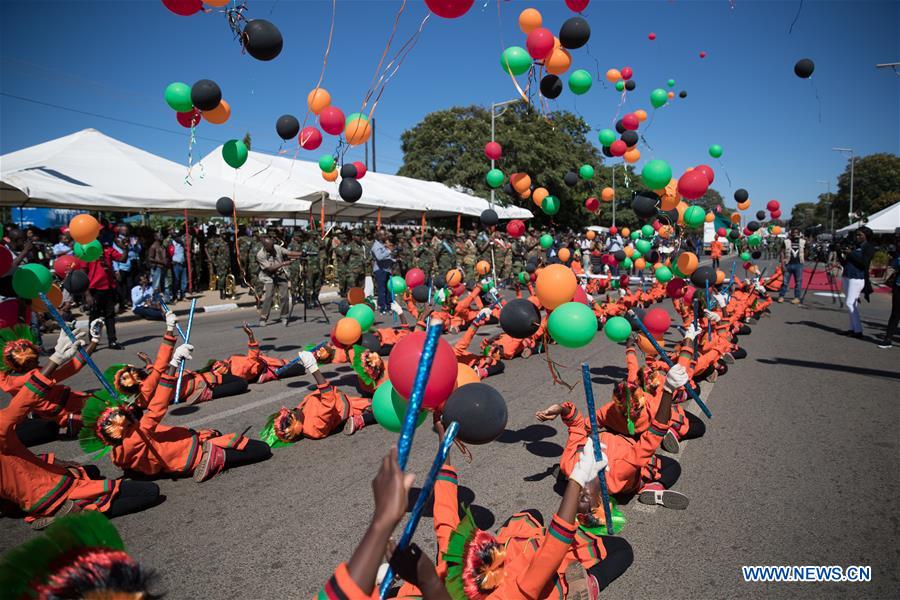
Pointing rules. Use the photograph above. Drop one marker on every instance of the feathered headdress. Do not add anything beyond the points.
(15, 338)
(474, 561)
(269, 433)
(598, 515)
(97, 410)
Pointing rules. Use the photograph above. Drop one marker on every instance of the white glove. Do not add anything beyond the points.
(171, 321)
(182, 353)
(692, 332)
(622, 293)
(66, 349)
(712, 316)
(308, 360)
(760, 289)
(721, 300)
(676, 378)
(483, 315)
(396, 308)
(587, 467)
(95, 329)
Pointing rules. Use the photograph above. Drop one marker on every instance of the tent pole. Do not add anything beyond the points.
(187, 251)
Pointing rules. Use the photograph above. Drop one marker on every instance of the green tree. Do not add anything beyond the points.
(876, 185)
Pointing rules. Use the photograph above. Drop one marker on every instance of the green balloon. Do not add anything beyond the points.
(586, 172)
(524, 277)
(617, 329)
(648, 231)
(636, 234)
(572, 324)
(362, 314)
(546, 241)
(627, 263)
(327, 163)
(88, 252)
(31, 280)
(580, 81)
(550, 205)
(745, 255)
(658, 97)
(515, 60)
(620, 85)
(664, 274)
(715, 151)
(671, 83)
(235, 153)
(614, 284)
(607, 137)
(656, 174)
(178, 96)
(397, 285)
(643, 246)
(389, 408)
(494, 178)
(754, 240)
(635, 255)
(694, 216)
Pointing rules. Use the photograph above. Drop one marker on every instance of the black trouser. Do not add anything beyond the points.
(126, 282)
(619, 557)
(385, 349)
(696, 427)
(895, 315)
(254, 451)
(104, 305)
(231, 385)
(133, 496)
(33, 432)
(739, 353)
(669, 471)
(495, 369)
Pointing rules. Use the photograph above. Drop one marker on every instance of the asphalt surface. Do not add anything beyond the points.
(799, 466)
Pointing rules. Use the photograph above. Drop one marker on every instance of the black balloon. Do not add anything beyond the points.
(6, 288)
(653, 258)
(571, 179)
(630, 85)
(753, 225)
(669, 216)
(420, 293)
(520, 318)
(606, 151)
(644, 206)
(741, 195)
(804, 68)
(489, 217)
(630, 137)
(205, 94)
(620, 127)
(76, 282)
(574, 33)
(370, 341)
(225, 206)
(287, 126)
(262, 40)
(682, 94)
(756, 254)
(350, 190)
(761, 215)
(551, 86)
(530, 267)
(703, 275)
(480, 411)
(619, 255)
(343, 306)
(349, 170)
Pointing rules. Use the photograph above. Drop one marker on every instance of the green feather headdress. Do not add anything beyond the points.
(618, 519)
(94, 408)
(268, 435)
(13, 334)
(359, 367)
(33, 561)
(456, 552)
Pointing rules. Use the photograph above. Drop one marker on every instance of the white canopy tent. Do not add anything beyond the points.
(884, 221)
(397, 197)
(89, 170)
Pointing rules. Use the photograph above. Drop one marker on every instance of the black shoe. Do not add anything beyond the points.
(857, 335)
(115, 346)
(847, 333)
(885, 344)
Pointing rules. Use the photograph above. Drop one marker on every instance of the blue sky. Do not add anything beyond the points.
(115, 58)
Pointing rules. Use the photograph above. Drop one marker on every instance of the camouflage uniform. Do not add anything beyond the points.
(219, 260)
(357, 264)
(342, 254)
(444, 259)
(252, 270)
(423, 258)
(295, 270)
(312, 271)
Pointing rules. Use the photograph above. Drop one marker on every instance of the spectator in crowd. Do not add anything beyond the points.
(893, 280)
(145, 300)
(100, 299)
(124, 271)
(63, 246)
(792, 257)
(179, 270)
(856, 277)
(158, 260)
(272, 261)
(382, 262)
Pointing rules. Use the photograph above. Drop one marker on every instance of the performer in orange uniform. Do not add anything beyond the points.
(251, 367)
(715, 252)
(371, 370)
(485, 364)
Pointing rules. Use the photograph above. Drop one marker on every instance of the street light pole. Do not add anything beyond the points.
(852, 161)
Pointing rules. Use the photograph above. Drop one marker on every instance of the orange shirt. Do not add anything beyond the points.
(60, 402)
(253, 364)
(326, 408)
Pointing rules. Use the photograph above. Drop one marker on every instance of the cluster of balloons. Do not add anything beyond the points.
(201, 101)
(621, 79)
(623, 141)
(259, 38)
(355, 127)
(349, 189)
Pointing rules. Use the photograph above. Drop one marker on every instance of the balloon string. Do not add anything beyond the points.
(191, 142)
(724, 170)
(398, 58)
(387, 47)
(554, 366)
(818, 100)
(797, 16)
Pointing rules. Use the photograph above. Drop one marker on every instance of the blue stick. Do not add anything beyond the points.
(662, 354)
(595, 436)
(187, 338)
(696, 322)
(731, 283)
(280, 370)
(435, 327)
(177, 326)
(424, 495)
(84, 355)
(708, 321)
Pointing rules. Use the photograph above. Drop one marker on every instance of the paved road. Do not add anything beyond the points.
(799, 466)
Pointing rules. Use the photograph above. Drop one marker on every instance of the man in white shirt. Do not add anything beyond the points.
(144, 300)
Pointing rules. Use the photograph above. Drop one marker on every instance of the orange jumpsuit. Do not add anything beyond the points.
(40, 487)
(253, 364)
(193, 385)
(325, 409)
(391, 335)
(61, 404)
(775, 282)
(461, 349)
(715, 249)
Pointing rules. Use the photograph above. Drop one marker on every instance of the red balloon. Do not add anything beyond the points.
(493, 150)
(361, 169)
(675, 288)
(651, 36)
(310, 138)
(577, 5)
(693, 184)
(776, 214)
(703, 55)
(656, 225)
(6, 260)
(707, 170)
(414, 277)
(592, 204)
(190, 118)
(539, 43)
(613, 230)
(64, 264)
(689, 292)
(403, 363)
(184, 8)
(449, 9)
(721, 232)
(580, 296)
(630, 121)
(657, 321)
(618, 148)
(747, 232)
(773, 205)
(515, 228)
(626, 72)
(331, 120)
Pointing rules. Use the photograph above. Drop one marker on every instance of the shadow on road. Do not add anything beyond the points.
(609, 374)
(484, 518)
(532, 433)
(792, 362)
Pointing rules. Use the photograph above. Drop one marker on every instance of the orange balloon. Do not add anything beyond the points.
(591, 234)
(558, 62)
(709, 218)
(529, 20)
(626, 232)
(525, 195)
(613, 75)
(608, 194)
(744, 205)
(465, 375)
(454, 277)
(555, 285)
(539, 194)
(520, 182)
(669, 195)
(347, 331)
(219, 114)
(641, 114)
(55, 296)
(640, 264)
(628, 250)
(483, 267)
(332, 176)
(736, 218)
(671, 95)
(776, 229)
(84, 228)
(681, 207)
(564, 254)
(317, 100)
(646, 346)
(658, 266)
(632, 156)
(720, 277)
(665, 232)
(687, 262)
(358, 131)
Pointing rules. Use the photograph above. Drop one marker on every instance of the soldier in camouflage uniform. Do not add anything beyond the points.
(312, 271)
(423, 256)
(358, 263)
(469, 254)
(255, 247)
(342, 254)
(218, 258)
(402, 252)
(444, 257)
(295, 270)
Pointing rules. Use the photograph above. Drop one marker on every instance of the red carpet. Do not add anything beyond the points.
(820, 283)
